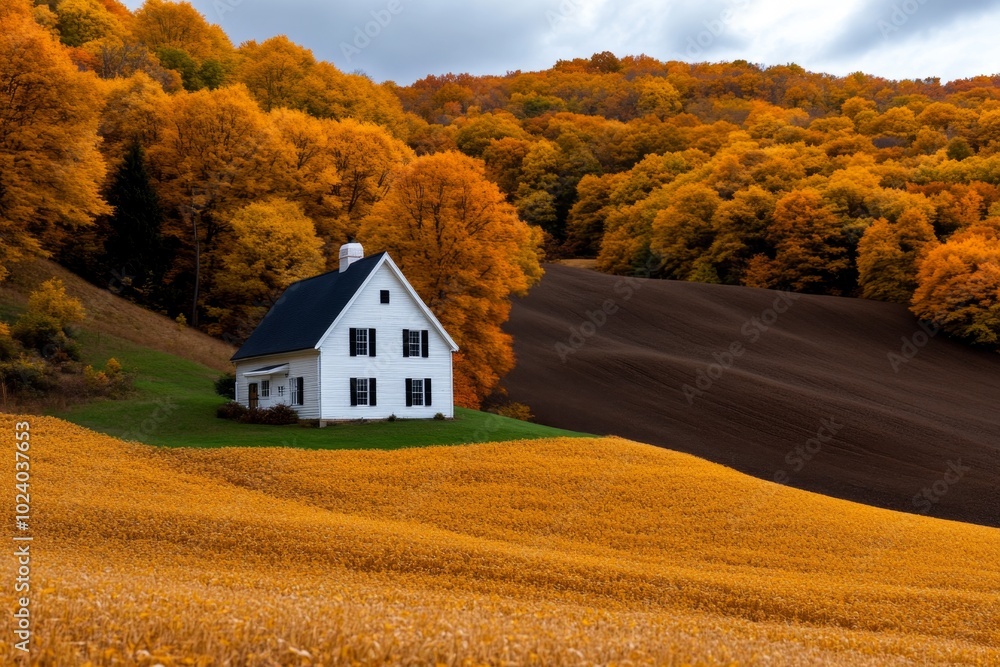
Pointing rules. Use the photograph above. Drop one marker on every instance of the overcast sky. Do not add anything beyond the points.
(893, 38)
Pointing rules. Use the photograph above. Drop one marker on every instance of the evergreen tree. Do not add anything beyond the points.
(134, 249)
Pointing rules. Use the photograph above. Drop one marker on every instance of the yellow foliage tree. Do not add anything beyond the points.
(280, 73)
(683, 232)
(83, 21)
(135, 111)
(466, 252)
(50, 169)
(276, 72)
(273, 245)
(51, 300)
(178, 25)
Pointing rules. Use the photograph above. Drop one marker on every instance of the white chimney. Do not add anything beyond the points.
(350, 253)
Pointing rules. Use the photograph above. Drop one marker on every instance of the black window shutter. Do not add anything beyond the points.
(427, 391)
(354, 342)
(302, 386)
(406, 342)
(424, 346)
(409, 392)
(371, 391)
(371, 342)
(354, 391)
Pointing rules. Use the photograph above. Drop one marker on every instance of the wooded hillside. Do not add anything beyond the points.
(147, 152)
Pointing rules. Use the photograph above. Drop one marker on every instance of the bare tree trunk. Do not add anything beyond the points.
(197, 270)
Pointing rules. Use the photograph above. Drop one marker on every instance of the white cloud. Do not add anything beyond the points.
(952, 40)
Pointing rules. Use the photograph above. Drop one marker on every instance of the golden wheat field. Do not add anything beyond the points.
(555, 552)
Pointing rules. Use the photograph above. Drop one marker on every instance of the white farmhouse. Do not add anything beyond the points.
(357, 343)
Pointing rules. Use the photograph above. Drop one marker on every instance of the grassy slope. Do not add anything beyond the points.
(175, 406)
(546, 552)
(109, 314)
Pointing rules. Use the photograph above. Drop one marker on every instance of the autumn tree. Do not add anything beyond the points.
(657, 96)
(50, 169)
(810, 254)
(504, 159)
(277, 73)
(740, 233)
(889, 253)
(958, 288)
(185, 42)
(282, 74)
(475, 134)
(273, 245)
(46, 326)
(178, 25)
(217, 151)
(367, 159)
(83, 21)
(51, 300)
(585, 225)
(135, 112)
(683, 233)
(466, 252)
(338, 170)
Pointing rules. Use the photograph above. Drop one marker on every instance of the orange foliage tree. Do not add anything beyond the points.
(50, 169)
(958, 287)
(466, 252)
(809, 244)
(217, 151)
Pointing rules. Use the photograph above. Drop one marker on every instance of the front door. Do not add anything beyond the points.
(253, 396)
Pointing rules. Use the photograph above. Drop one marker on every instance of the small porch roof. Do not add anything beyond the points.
(267, 370)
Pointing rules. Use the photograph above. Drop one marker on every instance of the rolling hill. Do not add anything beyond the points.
(845, 397)
(550, 552)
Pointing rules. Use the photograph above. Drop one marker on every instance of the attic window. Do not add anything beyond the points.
(384, 296)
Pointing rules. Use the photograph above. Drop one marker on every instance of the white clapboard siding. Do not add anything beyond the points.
(389, 367)
(304, 364)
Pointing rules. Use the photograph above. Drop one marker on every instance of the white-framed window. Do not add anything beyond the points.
(296, 389)
(417, 392)
(265, 389)
(363, 392)
(281, 390)
(414, 342)
(361, 342)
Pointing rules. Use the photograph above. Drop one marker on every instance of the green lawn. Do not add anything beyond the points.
(175, 406)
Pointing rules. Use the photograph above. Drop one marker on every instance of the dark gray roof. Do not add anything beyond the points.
(306, 310)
